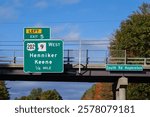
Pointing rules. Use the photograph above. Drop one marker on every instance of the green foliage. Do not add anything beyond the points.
(134, 34)
(138, 91)
(4, 94)
(51, 95)
(144, 9)
(134, 37)
(35, 94)
(38, 94)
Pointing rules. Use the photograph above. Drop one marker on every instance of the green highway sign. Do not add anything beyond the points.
(43, 56)
(121, 67)
(37, 33)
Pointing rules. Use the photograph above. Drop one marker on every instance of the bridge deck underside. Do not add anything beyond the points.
(90, 73)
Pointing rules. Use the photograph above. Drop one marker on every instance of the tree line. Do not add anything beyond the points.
(35, 94)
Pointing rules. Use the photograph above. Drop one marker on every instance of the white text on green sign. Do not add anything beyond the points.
(120, 67)
(43, 56)
(37, 33)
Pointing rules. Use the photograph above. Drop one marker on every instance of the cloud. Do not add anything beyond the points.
(40, 25)
(66, 31)
(7, 13)
(9, 9)
(41, 4)
(59, 28)
(72, 36)
(17, 3)
(67, 2)
(45, 3)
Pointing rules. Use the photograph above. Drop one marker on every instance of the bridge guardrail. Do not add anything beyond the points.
(72, 57)
(79, 52)
(129, 60)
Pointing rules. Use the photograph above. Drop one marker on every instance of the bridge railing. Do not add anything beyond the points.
(10, 56)
(129, 60)
(86, 57)
(72, 57)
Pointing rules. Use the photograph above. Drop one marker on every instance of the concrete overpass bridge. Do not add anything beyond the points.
(80, 65)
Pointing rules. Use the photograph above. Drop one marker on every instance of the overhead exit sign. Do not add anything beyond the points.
(37, 33)
(121, 67)
(44, 56)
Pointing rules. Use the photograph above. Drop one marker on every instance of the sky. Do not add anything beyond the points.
(69, 20)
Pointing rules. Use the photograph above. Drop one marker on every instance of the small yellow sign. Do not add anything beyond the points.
(33, 31)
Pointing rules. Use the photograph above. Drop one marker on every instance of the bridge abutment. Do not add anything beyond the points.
(120, 88)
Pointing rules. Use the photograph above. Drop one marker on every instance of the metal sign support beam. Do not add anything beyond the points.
(80, 52)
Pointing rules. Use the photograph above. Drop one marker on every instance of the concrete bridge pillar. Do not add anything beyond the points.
(116, 94)
(120, 88)
(122, 93)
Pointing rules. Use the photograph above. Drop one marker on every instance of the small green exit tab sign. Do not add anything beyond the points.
(37, 33)
(121, 67)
